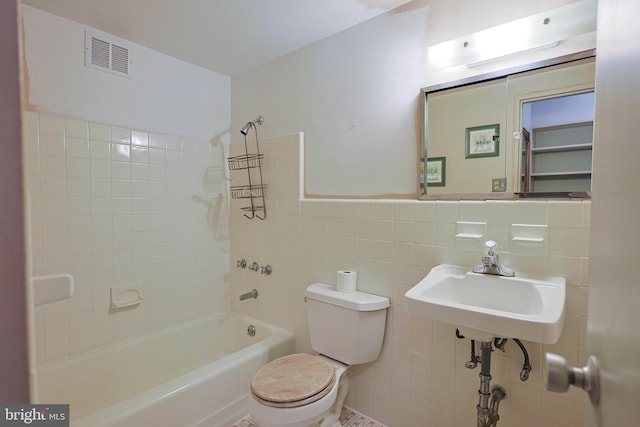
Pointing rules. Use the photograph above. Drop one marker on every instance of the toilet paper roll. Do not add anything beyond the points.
(346, 281)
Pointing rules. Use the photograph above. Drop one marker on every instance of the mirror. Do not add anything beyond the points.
(526, 132)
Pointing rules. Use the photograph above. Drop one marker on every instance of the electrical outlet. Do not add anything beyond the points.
(499, 184)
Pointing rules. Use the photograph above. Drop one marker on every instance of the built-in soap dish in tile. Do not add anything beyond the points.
(469, 235)
(470, 230)
(126, 295)
(528, 234)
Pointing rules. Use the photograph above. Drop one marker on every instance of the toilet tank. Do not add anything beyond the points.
(348, 327)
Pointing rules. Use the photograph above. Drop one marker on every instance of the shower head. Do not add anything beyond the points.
(258, 121)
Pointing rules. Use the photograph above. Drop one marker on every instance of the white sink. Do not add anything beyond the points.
(484, 306)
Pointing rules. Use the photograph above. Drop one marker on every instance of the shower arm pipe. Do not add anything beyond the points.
(258, 121)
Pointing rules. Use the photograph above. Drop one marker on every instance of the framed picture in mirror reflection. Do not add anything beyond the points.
(482, 141)
(436, 168)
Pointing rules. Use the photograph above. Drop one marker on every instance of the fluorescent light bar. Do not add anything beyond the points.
(534, 32)
(500, 58)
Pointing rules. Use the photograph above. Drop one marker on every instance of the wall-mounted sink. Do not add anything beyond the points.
(484, 306)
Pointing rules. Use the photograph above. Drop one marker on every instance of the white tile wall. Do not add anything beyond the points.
(420, 378)
(113, 205)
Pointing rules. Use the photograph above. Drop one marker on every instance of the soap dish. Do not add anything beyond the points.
(529, 234)
(126, 296)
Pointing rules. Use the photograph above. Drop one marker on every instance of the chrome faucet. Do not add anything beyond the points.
(491, 262)
(251, 294)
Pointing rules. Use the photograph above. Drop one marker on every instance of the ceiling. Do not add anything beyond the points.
(226, 36)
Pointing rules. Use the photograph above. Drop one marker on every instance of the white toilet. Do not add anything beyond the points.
(299, 390)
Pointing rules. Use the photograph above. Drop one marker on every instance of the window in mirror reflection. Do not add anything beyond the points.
(556, 143)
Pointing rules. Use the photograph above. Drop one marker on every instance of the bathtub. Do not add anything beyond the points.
(196, 374)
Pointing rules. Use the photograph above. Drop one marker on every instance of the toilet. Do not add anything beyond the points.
(301, 390)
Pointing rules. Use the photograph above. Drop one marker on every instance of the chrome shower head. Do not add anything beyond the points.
(258, 121)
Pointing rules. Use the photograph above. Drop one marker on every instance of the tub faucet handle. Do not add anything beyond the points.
(266, 270)
(254, 266)
(241, 263)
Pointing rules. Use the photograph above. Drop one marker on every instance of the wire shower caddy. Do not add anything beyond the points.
(255, 190)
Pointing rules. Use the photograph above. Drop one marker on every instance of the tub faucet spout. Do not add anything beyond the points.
(251, 294)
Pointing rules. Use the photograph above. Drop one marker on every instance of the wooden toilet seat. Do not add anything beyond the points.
(293, 380)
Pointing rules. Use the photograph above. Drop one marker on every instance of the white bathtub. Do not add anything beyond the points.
(196, 374)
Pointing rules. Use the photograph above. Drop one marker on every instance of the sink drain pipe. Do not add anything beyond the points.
(488, 400)
(489, 397)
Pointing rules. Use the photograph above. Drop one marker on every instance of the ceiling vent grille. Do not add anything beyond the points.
(119, 59)
(101, 54)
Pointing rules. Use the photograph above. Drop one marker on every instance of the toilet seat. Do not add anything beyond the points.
(292, 381)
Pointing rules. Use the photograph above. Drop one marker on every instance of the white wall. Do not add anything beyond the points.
(370, 76)
(165, 94)
(356, 97)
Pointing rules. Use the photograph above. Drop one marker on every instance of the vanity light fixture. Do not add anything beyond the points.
(536, 32)
(498, 58)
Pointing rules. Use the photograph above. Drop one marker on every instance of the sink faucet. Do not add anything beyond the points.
(491, 262)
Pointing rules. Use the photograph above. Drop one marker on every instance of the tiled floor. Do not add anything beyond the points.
(348, 418)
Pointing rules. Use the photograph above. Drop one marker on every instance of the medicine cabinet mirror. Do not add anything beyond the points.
(525, 132)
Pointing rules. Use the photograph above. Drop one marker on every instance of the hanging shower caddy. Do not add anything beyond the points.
(254, 191)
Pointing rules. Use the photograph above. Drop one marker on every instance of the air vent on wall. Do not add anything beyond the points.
(108, 56)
